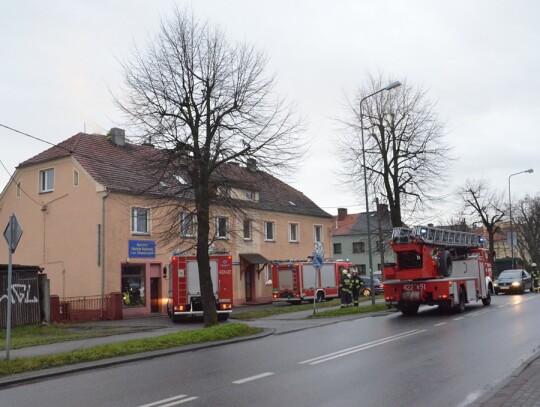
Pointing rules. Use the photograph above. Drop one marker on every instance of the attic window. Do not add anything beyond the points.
(292, 203)
(180, 179)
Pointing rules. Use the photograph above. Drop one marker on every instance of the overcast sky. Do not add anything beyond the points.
(478, 60)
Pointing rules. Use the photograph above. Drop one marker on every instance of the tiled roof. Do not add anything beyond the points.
(356, 223)
(126, 169)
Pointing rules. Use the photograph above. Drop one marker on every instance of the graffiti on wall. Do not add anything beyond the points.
(20, 293)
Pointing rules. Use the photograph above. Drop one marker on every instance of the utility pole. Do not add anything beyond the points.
(381, 243)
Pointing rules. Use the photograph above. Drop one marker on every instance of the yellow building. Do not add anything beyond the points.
(87, 222)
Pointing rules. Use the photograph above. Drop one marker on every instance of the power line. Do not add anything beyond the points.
(19, 185)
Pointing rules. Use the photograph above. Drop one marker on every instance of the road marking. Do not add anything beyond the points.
(474, 314)
(171, 401)
(358, 348)
(501, 306)
(440, 323)
(458, 318)
(256, 377)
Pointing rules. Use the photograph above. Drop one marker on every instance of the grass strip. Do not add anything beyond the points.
(130, 347)
(339, 312)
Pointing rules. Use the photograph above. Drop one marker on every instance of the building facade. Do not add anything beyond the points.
(350, 239)
(87, 222)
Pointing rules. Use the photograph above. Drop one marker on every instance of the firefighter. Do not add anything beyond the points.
(536, 277)
(356, 285)
(345, 289)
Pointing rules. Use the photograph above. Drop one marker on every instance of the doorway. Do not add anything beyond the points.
(154, 294)
(249, 277)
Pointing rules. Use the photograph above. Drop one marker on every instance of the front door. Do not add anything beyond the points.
(249, 282)
(154, 294)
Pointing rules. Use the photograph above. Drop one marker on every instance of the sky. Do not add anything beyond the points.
(478, 61)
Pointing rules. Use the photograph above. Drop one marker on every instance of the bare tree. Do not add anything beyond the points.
(481, 203)
(527, 221)
(406, 157)
(206, 102)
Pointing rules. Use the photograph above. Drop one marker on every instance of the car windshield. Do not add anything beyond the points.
(510, 274)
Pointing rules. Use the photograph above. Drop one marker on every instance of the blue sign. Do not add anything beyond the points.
(142, 249)
(317, 261)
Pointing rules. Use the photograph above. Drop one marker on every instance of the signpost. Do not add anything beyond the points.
(12, 234)
(318, 259)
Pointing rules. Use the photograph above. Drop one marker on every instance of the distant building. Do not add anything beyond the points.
(350, 239)
(89, 226)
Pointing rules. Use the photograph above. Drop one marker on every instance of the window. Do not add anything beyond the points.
(75, 178)
(317, 233)
(337, 248)
(293, 232)
(358, 247)
(361, 268)
(221, 227)
(251, 195)
(133, 279)
(269, 230)
(187, 224)
(46, 180)
(247, 229)
(139, 220)
(18, 189)
(223, 191)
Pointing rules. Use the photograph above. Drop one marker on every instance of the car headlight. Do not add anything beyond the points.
(516, 284)
(496, 283)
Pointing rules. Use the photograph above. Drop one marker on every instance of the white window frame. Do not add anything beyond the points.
(45, 183)
(266, 237)
(294, 231)
(248, 230)
(75, 178)
(135, 221)
(219, 226)
(188, 224)
(319, 227)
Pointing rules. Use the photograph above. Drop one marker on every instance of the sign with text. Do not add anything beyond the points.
(142, 249)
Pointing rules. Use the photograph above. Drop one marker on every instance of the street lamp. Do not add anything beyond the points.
(393, 85)
(530, 171)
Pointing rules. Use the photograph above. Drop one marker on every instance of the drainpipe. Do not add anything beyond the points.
(103, 250)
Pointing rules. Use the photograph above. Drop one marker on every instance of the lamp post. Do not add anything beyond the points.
(393, 85)
(530, 170)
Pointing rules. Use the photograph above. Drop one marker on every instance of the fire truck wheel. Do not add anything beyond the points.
(486, 301)
(410, 309)
(461, 305)
(445, 263)
(320, 296)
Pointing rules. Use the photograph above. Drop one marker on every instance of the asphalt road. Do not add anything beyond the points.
(432, 359)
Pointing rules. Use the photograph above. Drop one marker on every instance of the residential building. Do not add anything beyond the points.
(350, 239)
(94, 215)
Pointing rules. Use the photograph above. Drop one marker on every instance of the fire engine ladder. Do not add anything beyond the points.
(437, 236)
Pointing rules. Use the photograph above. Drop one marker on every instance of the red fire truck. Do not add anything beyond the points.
(184, 287)
(437, 267)
(295, 282)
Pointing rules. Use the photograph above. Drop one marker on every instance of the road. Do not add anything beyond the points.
(427, 360)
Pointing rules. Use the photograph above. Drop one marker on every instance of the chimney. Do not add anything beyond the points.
(341, 213)
(117, 136)
(251, 164)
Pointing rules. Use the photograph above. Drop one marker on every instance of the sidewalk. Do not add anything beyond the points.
(520, 389)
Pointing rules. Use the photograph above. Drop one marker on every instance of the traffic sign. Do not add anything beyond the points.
(317, 261)
(13, 233)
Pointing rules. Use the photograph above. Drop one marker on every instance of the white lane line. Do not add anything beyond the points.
(440, 323)
(256, 377)
(501, 306)
(181, 398)
(458, 318)
(358, 348)
(474, 314)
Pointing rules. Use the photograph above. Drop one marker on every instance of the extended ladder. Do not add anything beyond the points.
(436, 236)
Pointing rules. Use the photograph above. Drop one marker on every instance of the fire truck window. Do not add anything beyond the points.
(409, 260)
(133, 287)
